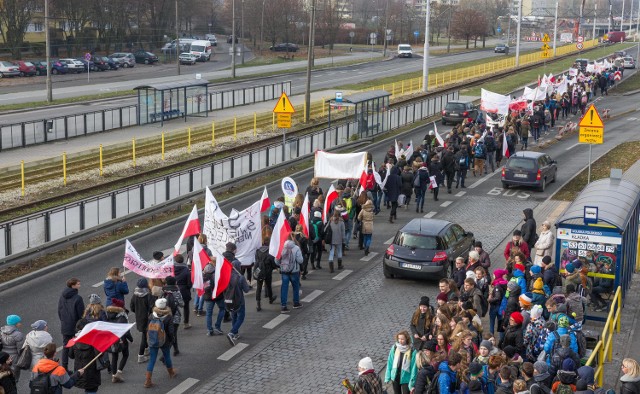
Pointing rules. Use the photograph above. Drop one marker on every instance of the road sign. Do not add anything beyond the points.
(545, 47)
(579, 46)
(284, 121)
(416, 33)
(605, 37)
(545, 38)
(87, 56)
(498, 29)
(545, 54)
(284, 105)
(591, 127)
(580, 39)
(352, 34)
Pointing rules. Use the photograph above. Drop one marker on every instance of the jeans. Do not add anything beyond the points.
(493, 317)
(198, 303)
(294, 278)
(123, 360)
(491, 160)
(367, 240)
(348, 232)
(334, 249)
(267, 285)
(237, 318)
(153, 354)
(376, 197)
(143, 342)
(460, 179)
(420, 197)
(209, 317)
(524, 142)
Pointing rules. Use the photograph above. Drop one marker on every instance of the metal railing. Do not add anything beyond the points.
(20, 235)
(603, 351)
(249, 95)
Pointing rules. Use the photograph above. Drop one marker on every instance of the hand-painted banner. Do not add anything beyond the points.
(135, 262)
(339, 165)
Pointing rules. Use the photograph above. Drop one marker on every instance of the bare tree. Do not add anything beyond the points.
(468, 23)
(15, 16)
(328, 21)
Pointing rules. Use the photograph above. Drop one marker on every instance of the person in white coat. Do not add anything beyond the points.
(37, 340)
(544, 245)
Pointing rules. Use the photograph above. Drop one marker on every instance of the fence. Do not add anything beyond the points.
(20, 135)
(603, 351)
(37, 229)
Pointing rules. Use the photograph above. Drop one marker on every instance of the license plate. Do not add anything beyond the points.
(453, 114)
(412, 266)
(519, 175)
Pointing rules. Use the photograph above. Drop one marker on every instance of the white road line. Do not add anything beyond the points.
(59, 348)
(479, 181)
(460, 194)
(312, 296)
(97, 284)
(369, 257)
(573, 146)
(184, 386)
(632, 119)
(431, 214)
(446, 203)
(229, 354)
(342, 275)
(276, 321)
(387, 242)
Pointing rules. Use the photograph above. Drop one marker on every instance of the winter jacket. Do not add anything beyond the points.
(366, 217)
(266, 261)
(242, 286)
(407, 182)
(12, 340)
(629, 384)
(541, 384)
(183, 280)
(549, 277)
(528, 229)
(291, 251)
(448, 162)
(58, 378)
(524, 248)
(115, 288)
(447, 379)
(392, 365)
(485, 260)
(37, 340)
(435, 169)
(544, 246)
(551, 339)
(70, 310)
(313, 192)
(8, 382)
(513, 337)
(176, 312)
(83, 354)
(393, 185)
(207, 278)
(119, 315)
(337, 232)
(462, 153)
(141, 305)
(164, 314)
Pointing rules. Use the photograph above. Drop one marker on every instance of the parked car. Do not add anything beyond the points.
(212, 37)
(581, 64)
(629, 62)
(501, 48)
(285, 47)
(203, 49)
(188, 58)
(99, 63)
(41, 67)
(426, 249)
(73, 65)
(27, 69)
(113, 65)
(8, 69)
(125, 59)
(58, 67)
(87, 64)
(456, 111)
(145, 57)
(528, 168)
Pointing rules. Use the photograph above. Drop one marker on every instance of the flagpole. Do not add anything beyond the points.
(92, 361)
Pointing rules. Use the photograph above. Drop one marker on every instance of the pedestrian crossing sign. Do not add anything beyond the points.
(545, 38)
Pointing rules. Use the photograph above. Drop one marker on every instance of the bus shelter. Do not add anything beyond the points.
(366, 109)
(158, 102)
(601, 228)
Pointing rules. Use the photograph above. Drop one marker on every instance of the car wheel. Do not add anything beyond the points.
(385, 271)
(505, 185)
(444, 122)
(543, 185)
(146, 61)
(554, 177)
(126, 65)
(54, 71)
(21, 74)
(447, 270)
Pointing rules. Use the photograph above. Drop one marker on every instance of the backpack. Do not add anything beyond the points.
(490, 143)
(564, 389)
(556, 359)
(288, 264)
(582, 343)
(433, 385)
(232, 299)
(316, 231)
(171, 302)
(41, 383)
(156, 334)
(328, 234)
(480, 151)
(259, 268)
(416, 180)
(462, 161)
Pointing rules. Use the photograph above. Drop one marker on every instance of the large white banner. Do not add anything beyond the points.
(135, 262)
(494, 102)
(339, 165)
(535, 94)
(240, 227)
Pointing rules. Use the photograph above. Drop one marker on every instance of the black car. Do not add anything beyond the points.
(41, 67)
(581, 64)
(457, 111)
(501, 48)
(527, 168)
(145, 57)
(426, 249)
(285, 47)
(113, 65)
(99, 63)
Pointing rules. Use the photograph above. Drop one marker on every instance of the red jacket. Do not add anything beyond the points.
(524, 248)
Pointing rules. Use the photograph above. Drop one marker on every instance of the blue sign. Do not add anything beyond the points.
(416, 33)
(498, 29)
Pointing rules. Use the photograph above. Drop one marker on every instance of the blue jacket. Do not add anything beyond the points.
(115, 289)
(551, 339)
(520, 280)
(447, 379)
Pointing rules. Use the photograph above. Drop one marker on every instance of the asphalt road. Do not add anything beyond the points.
(329, 350)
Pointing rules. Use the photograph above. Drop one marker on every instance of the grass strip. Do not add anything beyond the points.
(630, 84)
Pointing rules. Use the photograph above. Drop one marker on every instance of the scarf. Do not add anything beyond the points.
(406, 358)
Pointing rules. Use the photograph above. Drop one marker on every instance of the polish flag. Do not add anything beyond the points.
(222, 276)
(191, 227)
(265, 203)
(200, 259)
(101, 335)
(280, 234)
(409, 151)
(304, 216)
(332, 195)
(438, 136)
(505, 149)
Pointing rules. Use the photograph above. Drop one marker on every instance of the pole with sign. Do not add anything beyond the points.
(284, 109)
(87, 58)
(591, 131)
(545, 47)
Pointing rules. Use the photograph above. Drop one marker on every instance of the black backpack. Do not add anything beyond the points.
(171, 301)
(262, 254)
(582, 343)
(232, 300)
(433, 385)
(490, 143)
(41, 383)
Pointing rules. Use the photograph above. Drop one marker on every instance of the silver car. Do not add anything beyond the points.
(188, 58)
(73, 65)
(125, 59)
(8, 69)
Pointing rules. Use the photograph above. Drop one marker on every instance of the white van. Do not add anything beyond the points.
(202, 49)
(404, 50)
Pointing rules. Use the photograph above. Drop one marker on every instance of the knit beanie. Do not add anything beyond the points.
(538, 284)
(442, 297)
(517, 317)
(142, 283)
(535, 270)
(424, 300)
(525, 299)
(519, 267)
(536, 312)
(512, 286)
(541, 367)
(161, 303)
(570, 268)
(12, 320)
(94, 299)
(486, 344)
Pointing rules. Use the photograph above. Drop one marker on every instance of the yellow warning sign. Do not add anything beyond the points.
(545, 54)
(591, 135)
(284, 121)
(545, 38)
(591, 118)
(284, 105)
(545, 47)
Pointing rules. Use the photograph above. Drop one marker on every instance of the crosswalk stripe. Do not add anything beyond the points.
(460, 194)
(479, 181)
(342, 275)
(229, 354)
(276, 321)
(312, 296)
(446, 203)
(184, 386)
(369, 257)
(387, 242)
(430, 214)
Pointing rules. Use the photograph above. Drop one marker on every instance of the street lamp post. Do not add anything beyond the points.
(425, 58)
(595, 12)
(384, 35)
(555, 28)
(47, 40)
(233, 39)
(622, 17)
(178, 46)
(242, 32)
(307, 92)
(610, 17)
(262, 25)
(518, 33)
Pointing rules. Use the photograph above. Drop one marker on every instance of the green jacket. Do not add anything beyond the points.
(392, 367)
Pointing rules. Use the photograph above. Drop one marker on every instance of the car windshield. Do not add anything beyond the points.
(404, 47)
(455, 107)
(28, 64)
(6, 64)
(418, 241)
(521, 164)
(197, 48)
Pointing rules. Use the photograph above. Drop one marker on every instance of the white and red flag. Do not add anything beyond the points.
(304, 216)
(265, 203)
(191, 227)
(332, 195)
(505, 149)
(222, 276)
(101, 335)
(280, 234)
(438, 136)
(200, 259)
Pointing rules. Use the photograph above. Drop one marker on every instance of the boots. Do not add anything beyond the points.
(142, 358)
(146, 351)
(258, 306)
(331, 267)
(176, 351)
(147, 381)
(117, 377)
(391, 219)
(172, 372)
(340, 264)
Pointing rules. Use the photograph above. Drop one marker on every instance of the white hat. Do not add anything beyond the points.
(317, 214)
(366, 363)
(472, 275)
(161, 303)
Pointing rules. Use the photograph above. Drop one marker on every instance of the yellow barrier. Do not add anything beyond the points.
(603, 352)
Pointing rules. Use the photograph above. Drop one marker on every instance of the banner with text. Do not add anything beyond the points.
(135, 262)
(339, 165)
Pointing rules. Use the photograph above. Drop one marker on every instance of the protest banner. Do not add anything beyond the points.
(135, 262)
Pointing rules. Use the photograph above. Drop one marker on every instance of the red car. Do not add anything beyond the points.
(27, 69)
